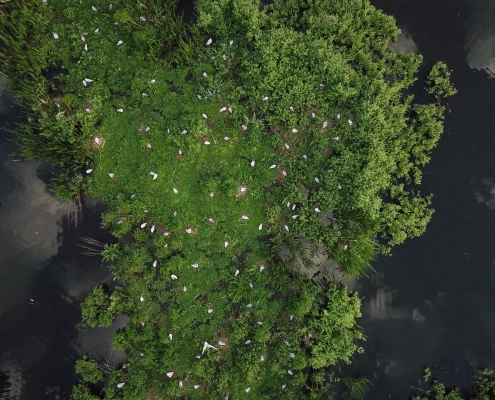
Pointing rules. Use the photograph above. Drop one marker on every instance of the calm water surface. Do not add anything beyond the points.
(432, 303)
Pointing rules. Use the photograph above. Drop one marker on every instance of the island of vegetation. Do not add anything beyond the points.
(231, 151)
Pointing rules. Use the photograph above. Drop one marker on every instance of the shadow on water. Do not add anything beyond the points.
(43, 279)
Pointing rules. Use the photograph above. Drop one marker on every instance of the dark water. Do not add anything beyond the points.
(433, 302)
(43, 279)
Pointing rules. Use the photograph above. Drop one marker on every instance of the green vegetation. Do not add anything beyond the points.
(217, 147)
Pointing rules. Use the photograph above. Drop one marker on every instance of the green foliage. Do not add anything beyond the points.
(101, 307)
(439, 81)
(356, 388)
(88, 369)
(82, 392)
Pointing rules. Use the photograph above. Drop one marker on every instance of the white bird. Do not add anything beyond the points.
(147, 129)
(289, 372)
(349, 121)
(226, 138)
(305, 156)
(260, 227)
(345, 247)
(249, 306)
(273, 166)
(287, 343)
(144, 94)
(197, 386)
(208, 346)
(141, 298)
(210, 310)
(322, 85)
(207, 142)
(286, 228)
(119, 42)
(286, 146)
(317, 210)
(180, 384)
(295, 216)
(97, 30)
(154, 174)
(209, 41)
(199, 97)
(294, 130)
(83, 38)
(184, 289)
(265, 98)
(148, 145)
(188, 230)
(194, 265)
(293, 207)
(84, 83)
(224, 57)
(184, 132)
(85, 47)
(170, 336)
(221, 343)
(313, 115)
(325, 124)
(339, 186)
(94, 8)
(244, 127)
(231, 41)
(251, 285)
(247, 390)
(211, 220)
(226, 243)
(143, 225)
(88, 171)
(284, 386)
(142, 18)
(262, 358)
(338, 116)
(291, 108)
(170, 374)
(179, 152)
(132, 196)
(262, 267)
(166, 233)
(153, 81)
(245, 217)
(336, 138)
(205, 116)
(236, 273)
(230, 110)
(141, 354)
(120, 385)
(247, 342)
(291, 317)
(292, 355)
(205, 74)
(288, 204)
(174, 277)
(111, 175)
(175, 190)
(284, 173)
(88, 80)
(317, 180)
(259, 323)
(244, 188)
(154, 263)
(223, 109)
(120, 110)
(212, 195)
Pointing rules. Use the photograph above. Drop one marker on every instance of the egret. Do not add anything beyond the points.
(87, 110)
(142, 18)
(317, 210)
(194, 265)
(252, 163)
(244, 188)
(291, 317)
(262, 358)
(226, 138)
(111, 175)
(247, 342)
(313, 115)
(287, 146)
(154, 174)
(97, 30)
(166, 233)
(120, 110)
(55, 35)
(288, 204)
(141, 354)
(170, 374)
(293, 207)
(339, 186)
(144, 94)
(286, 227)
(349, 121)
(94, 8)
(188, 230)
(207, 346)
(184, 289)
(305, 156)
(147, 129)
(259, 323)
(249, 306)
(244, 127)
(211, 195)
(345, 247)
(287, 343)
(292, 355)
(284, 173)
(221, 343)
(290, 372)
(180, 384)
(230, 110)
(294, 130)
(291, 108)
(199, 97)
(223, 109)
(251, 285)
(120, 385)
(175, 190)
(141, 298)
(322, 85)
(265, 98)
(170, 336)
(262, 267)
(148, 145)
(247, 390)
(224, 57)
(84, 83)
(317, 180)
(143, 225)
(168, 130)
(209, 41)
(284, 386)
(211, 220)
(245, 217)
(83, 38)
(205, 74)
(205, 116)
(88, 171)
(85, 47)
(88, 80)
(273, 166)
(236, 273)
(197, 386)
(295, 216)
(174, 277)
(155, 263)
(338, 116)
(153, 81)
(325, 124)
(226, 243)
(119, 42)
(260, 227)
(132, 196)
(184, 132)
(210, 310)
(336, 138)
(231, 41)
